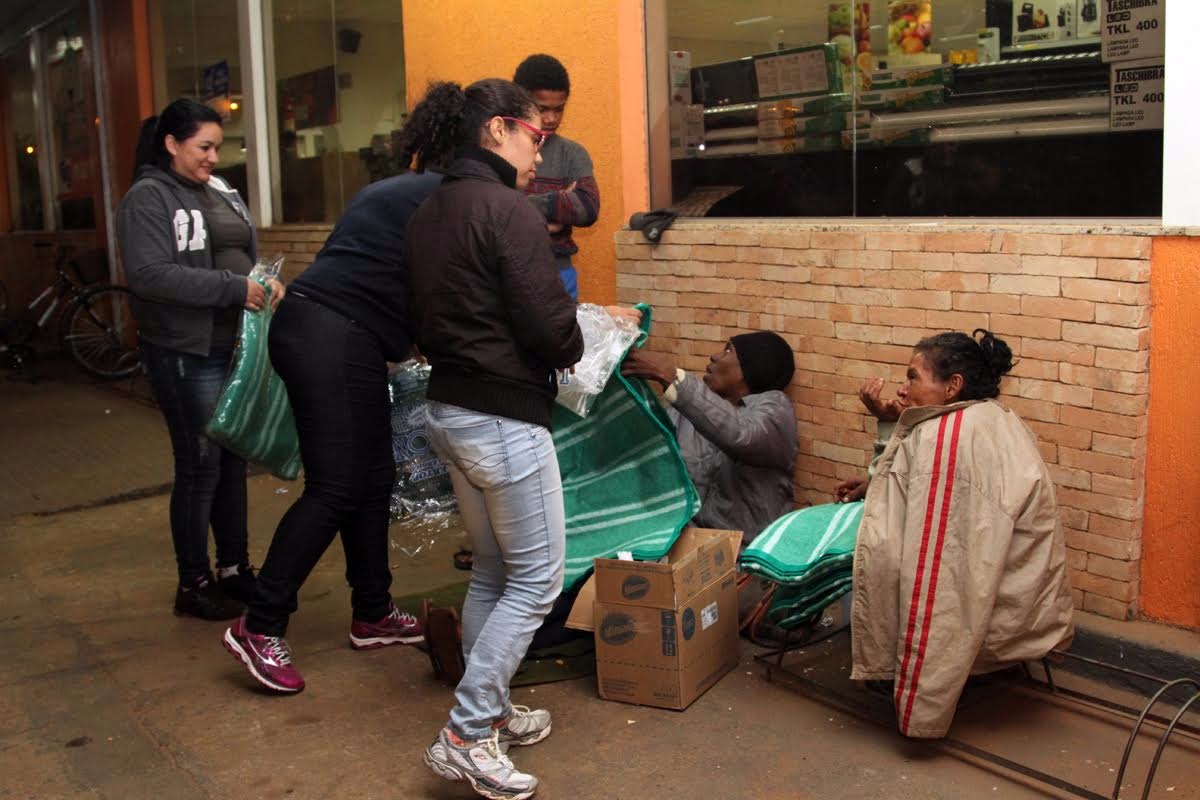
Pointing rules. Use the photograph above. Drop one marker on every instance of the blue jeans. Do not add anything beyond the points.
(210, 481)
(570, 279)
(509, 492)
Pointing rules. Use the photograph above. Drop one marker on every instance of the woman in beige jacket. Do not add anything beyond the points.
(960, 565)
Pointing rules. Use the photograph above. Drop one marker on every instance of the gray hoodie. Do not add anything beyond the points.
(168, 262)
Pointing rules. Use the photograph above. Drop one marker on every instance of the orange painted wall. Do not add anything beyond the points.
(465, 40)
(1171, 527)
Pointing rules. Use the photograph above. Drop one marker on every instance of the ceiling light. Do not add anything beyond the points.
(753, 20)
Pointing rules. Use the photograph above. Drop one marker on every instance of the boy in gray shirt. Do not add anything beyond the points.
(565, 189)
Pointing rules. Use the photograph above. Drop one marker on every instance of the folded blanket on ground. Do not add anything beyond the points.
(810, 554)
(625, 486)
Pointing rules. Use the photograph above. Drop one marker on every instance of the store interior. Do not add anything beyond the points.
(989, 108)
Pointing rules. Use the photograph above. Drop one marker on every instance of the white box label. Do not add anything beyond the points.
(1136, 99)
(708, 616)
(1133, 29)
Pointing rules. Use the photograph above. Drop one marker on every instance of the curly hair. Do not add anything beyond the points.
(450, 117)
(542, 72)
(982, 361)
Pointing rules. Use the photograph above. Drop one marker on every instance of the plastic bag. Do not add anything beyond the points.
(253, 417)
(423, 496)
(605, 340)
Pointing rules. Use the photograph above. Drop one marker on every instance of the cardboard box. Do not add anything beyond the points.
(807, 126)
(906, 77)
(902, 99)
(666, 632)
(790, 107)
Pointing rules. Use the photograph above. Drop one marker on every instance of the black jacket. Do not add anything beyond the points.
(360, 272)
(489, 310)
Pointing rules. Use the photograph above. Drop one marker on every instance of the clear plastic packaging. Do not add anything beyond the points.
(605, 340)
(423, 496)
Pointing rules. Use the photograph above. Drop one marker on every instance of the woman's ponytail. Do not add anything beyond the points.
(432, 131)
(147, 146)
(450, 117)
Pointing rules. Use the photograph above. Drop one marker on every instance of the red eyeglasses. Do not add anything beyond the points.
(539, 136)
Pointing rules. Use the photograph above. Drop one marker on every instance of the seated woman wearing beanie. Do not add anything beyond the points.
(960, 564)
(735, 426)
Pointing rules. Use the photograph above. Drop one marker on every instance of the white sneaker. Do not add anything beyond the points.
(481, 762)
(524, 726)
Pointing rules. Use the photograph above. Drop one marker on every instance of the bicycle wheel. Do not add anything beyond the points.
(98, 333)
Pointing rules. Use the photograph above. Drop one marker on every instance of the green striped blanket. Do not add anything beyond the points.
(253, 417)
(810, 554)
(625, 486)
(796, 543)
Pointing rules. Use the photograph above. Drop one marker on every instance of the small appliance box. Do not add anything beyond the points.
(1043, 21)
(666, 632)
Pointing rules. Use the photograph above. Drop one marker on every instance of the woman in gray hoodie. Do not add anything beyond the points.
(187, 245)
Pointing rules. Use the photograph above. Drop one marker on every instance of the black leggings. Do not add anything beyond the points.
(336, 377)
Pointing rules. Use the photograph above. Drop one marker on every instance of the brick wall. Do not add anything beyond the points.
(298, 243)
(1072, 302)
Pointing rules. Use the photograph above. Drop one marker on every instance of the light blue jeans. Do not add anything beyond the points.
(509, 493)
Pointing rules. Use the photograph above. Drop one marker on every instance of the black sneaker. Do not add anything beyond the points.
(205, 600)
(240, 585)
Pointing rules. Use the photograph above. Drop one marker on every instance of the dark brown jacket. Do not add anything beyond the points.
(489, 310)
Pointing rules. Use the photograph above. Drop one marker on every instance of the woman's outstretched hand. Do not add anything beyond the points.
(882, 410)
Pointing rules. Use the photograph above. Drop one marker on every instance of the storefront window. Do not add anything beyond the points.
(21, 146)
(195, 52)
(340, 100)
(914, 108)
(73, 123)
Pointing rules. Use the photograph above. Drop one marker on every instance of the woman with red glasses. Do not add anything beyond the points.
(491, 314)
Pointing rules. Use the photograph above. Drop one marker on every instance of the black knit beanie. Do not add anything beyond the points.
(766, 359)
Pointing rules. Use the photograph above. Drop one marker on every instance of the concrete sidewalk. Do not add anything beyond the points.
(105, 694)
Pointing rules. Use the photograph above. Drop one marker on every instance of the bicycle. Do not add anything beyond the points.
(94, 325)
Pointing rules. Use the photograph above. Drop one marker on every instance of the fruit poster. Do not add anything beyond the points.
(850, 30)
(910, 26)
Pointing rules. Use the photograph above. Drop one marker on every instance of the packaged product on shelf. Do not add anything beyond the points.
(806, 126)
(1087, 19)
(906, 77)
(799, 144)
(812, 70)
(790, 107)
(987, 41)
(747, 147)
(902, 99)
(910, 26)
(687, 129)
(686, 124)
(1043, 21)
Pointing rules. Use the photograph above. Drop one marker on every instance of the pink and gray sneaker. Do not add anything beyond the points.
(396, 628)
(268, 658)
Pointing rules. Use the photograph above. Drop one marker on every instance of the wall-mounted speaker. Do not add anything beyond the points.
(349, 40)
